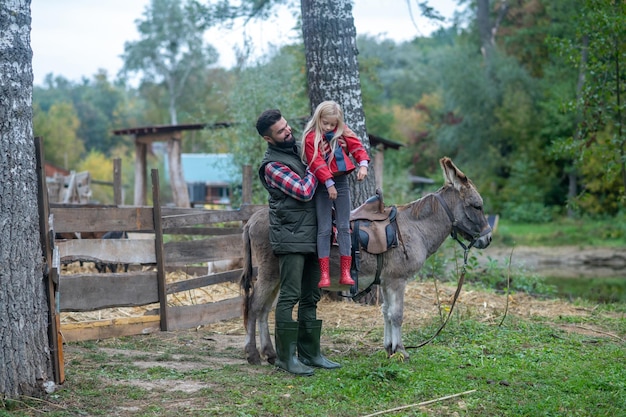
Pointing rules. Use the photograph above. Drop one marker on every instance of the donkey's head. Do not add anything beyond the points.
(465, 207)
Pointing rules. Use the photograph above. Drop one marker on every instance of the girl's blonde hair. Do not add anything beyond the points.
(325, 109)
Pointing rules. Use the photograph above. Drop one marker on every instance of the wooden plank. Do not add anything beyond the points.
(125, 251)
(195, 217)
(189, 270)
(204, 231)
(102, 219)
(89, 292)
(104, 329)
(205, 250)
(188, 317)
(203, 281)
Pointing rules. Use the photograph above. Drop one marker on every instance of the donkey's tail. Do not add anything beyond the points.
(245, 282)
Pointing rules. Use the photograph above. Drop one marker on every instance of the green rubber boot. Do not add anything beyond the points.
(286, 336)
(309, 351)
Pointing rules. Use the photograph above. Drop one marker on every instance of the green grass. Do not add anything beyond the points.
(602, 290)
(563, 232)
(523, 368)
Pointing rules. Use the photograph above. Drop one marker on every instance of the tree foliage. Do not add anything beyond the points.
(171, 48)
(538, 130)
(278, 83)
(100, 106)
(598, 145)
(59, 129)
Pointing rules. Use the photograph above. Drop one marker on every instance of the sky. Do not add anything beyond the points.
(76, 38)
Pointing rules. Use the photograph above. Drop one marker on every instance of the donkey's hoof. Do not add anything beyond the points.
(271, 359)
(253, 357)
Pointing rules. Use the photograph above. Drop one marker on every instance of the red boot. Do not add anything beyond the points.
(346, 279)
(324, 273)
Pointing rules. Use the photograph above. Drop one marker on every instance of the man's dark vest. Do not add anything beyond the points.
(293, 223)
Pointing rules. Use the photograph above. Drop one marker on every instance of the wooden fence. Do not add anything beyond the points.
(216, 235)
(95, 291)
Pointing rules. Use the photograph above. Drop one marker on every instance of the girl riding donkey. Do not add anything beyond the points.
(332, 169)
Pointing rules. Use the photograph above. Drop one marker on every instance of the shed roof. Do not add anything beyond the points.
(159, 129)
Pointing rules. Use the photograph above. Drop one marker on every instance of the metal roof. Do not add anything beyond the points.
(208, 168)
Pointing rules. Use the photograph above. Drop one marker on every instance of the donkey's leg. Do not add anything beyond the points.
(393, 311)
(269, 292)
(267, 348)
(252, 353)
(386, 321)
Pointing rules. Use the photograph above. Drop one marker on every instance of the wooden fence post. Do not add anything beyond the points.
(246, 185)
(55, 340)
(159, 252)
(117, 181)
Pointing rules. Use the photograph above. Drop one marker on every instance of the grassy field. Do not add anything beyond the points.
(564, 232)
(502, 354)
(536, 366)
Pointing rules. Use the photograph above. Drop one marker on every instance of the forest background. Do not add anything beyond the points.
(536, 119)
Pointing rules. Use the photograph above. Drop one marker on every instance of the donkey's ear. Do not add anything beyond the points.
(452, 175)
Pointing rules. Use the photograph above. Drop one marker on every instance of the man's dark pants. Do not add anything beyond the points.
(299, 276)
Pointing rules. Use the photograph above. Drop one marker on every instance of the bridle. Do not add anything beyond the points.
(456, 228)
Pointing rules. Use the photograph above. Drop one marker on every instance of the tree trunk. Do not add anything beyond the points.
(333, 70)
(485, 29)
(25, 363)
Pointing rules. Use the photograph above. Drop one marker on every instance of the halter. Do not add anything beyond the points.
(456, 227)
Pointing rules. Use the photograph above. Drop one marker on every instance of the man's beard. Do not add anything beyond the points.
(287, 144)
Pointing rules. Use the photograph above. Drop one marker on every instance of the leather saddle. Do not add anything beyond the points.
(374, 227)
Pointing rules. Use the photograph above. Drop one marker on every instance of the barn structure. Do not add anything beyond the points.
(172, 134)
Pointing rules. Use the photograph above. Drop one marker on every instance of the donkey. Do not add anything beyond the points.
(455, 209)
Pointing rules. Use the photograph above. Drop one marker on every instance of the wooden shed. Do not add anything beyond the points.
(146, 136)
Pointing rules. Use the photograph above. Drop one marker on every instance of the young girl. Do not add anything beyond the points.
(332, 169)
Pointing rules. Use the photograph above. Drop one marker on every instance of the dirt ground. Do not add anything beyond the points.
(225, 340)
(424, 301)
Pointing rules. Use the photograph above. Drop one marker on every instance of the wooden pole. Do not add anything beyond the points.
(51, 278)
(159, 252)
(141, 150)
(117, 181)
(246, 185)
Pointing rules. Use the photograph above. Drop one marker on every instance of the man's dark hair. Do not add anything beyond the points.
(267, 120)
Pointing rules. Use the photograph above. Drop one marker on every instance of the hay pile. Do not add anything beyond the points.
(197, 296)
(423, 301)
(426, 301)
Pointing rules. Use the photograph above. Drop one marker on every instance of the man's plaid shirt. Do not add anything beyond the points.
(279, 176)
